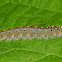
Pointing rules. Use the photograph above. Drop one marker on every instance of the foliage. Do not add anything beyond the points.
(14, 13)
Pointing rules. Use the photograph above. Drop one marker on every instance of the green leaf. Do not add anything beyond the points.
(42, 13)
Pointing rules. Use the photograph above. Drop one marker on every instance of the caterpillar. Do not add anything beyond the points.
(30, 32)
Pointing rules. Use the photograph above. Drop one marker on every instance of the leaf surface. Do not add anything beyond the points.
(43, 13)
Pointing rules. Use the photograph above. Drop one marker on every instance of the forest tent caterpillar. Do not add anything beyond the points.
(31, 32)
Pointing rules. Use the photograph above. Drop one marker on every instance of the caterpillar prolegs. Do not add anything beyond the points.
(30, 32)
